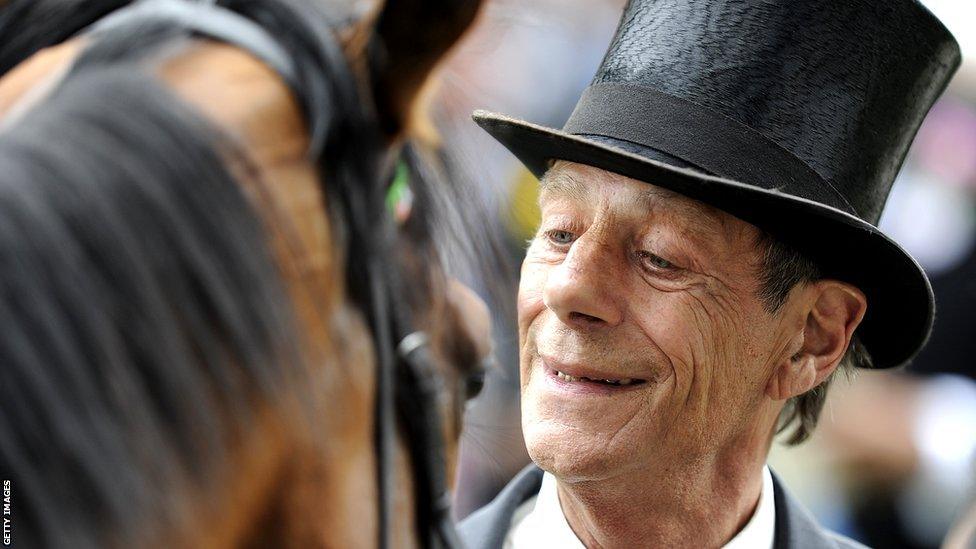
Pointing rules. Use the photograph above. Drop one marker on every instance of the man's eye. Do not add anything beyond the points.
(560, 237)
(655, 261)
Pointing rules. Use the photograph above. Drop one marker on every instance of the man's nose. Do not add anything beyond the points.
(584, 290)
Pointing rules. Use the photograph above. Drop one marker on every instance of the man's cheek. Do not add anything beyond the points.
(711, 330)
(676, 327)
(682, 330)
(531, 285)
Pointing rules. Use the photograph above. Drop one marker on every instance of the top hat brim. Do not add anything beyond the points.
(900, 301)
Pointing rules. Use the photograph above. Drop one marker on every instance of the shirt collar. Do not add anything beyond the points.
(540, 522)
(760, 529)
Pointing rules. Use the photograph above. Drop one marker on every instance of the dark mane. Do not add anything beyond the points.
(28, 26)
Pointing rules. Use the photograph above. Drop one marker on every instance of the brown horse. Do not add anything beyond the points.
(215, 332)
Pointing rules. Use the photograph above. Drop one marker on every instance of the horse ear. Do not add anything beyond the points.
(409, 38)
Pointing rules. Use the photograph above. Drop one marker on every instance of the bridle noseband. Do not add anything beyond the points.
(407, 380)
(422, 390)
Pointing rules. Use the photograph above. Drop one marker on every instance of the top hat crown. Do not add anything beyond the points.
(794, 116)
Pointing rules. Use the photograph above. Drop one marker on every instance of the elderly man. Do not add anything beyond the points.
(707, 260)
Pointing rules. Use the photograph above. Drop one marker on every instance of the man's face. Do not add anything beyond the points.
(656, 293)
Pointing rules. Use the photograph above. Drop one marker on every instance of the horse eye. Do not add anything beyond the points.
(474, 381)
(473, 384)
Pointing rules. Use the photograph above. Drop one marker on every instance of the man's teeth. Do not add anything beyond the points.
(567, 377)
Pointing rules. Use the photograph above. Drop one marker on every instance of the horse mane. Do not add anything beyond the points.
(28, 26)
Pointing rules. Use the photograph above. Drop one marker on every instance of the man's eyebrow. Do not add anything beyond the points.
(561, 182)
(700, 220)
(703, 222)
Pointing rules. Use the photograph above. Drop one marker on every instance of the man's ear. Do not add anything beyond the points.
(833, 310)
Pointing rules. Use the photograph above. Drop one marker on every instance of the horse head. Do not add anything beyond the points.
(221, 301)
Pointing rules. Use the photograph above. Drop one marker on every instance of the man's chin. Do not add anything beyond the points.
(569, 455)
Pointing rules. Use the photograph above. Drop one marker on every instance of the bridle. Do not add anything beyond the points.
(408, 385)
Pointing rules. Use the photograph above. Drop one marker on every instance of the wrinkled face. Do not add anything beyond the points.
(642, 336)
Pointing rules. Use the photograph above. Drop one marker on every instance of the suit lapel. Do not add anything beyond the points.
(795, 526)
(487, 527)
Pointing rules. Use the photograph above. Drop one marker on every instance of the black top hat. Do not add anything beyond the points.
(793, 116)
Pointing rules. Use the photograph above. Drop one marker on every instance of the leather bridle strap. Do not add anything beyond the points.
(207, 19)
(418, 404)
(385, 421)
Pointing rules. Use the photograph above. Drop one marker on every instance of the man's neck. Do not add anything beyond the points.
(689, 505)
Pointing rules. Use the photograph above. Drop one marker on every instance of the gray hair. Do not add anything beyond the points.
(782, 269)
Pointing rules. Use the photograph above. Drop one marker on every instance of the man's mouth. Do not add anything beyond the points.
(611, 382)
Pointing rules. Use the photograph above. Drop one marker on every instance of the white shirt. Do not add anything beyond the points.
(539, 522)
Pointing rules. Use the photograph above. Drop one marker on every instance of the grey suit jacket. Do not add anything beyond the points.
(487, 527)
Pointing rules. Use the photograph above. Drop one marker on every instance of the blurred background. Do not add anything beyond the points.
(893, 462)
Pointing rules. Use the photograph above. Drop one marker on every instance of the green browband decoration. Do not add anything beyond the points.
(399, 188)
